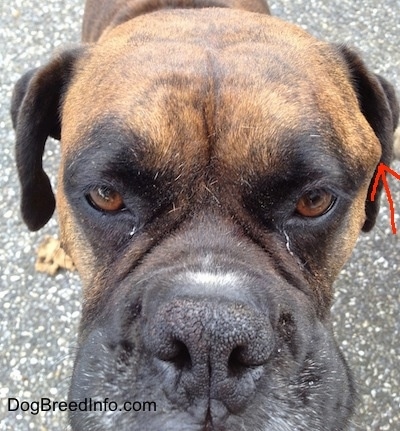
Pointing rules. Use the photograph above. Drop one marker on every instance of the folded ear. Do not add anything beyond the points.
(379, 105)
(35, 112)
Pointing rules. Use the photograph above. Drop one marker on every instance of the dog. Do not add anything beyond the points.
(215, 174)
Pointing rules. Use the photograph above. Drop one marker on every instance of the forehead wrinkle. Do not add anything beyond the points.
(163, 91)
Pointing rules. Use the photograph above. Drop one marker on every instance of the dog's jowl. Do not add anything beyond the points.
(215, 175)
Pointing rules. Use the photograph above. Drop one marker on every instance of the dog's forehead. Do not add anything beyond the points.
(184, 80)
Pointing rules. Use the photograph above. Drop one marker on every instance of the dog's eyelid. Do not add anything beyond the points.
(337, 186)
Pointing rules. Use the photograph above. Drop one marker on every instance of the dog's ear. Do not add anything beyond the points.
(35, 112)
(379, 105)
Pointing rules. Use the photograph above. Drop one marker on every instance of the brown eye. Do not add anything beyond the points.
(314, 203)
(106, 199)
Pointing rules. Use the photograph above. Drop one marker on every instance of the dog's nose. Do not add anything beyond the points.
(211, 348)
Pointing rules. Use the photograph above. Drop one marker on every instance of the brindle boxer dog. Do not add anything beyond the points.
(216, 173)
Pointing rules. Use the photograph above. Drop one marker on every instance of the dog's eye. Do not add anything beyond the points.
(106, 199)
(315, 203)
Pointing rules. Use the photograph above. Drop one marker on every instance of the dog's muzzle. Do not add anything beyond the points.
(210, 332)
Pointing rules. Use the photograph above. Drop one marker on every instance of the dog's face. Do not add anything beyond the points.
(214, 179)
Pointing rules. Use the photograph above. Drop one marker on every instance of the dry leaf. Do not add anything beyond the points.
(51, 257)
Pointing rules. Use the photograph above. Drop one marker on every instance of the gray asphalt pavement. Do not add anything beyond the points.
(39, 314)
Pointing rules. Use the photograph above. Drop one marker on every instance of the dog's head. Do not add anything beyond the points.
(215, 176)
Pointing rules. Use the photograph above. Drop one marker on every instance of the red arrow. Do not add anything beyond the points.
(381, 173)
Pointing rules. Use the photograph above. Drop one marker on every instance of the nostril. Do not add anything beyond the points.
(244, 357)
(171, 349)
(236, 362)
(180, 356)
